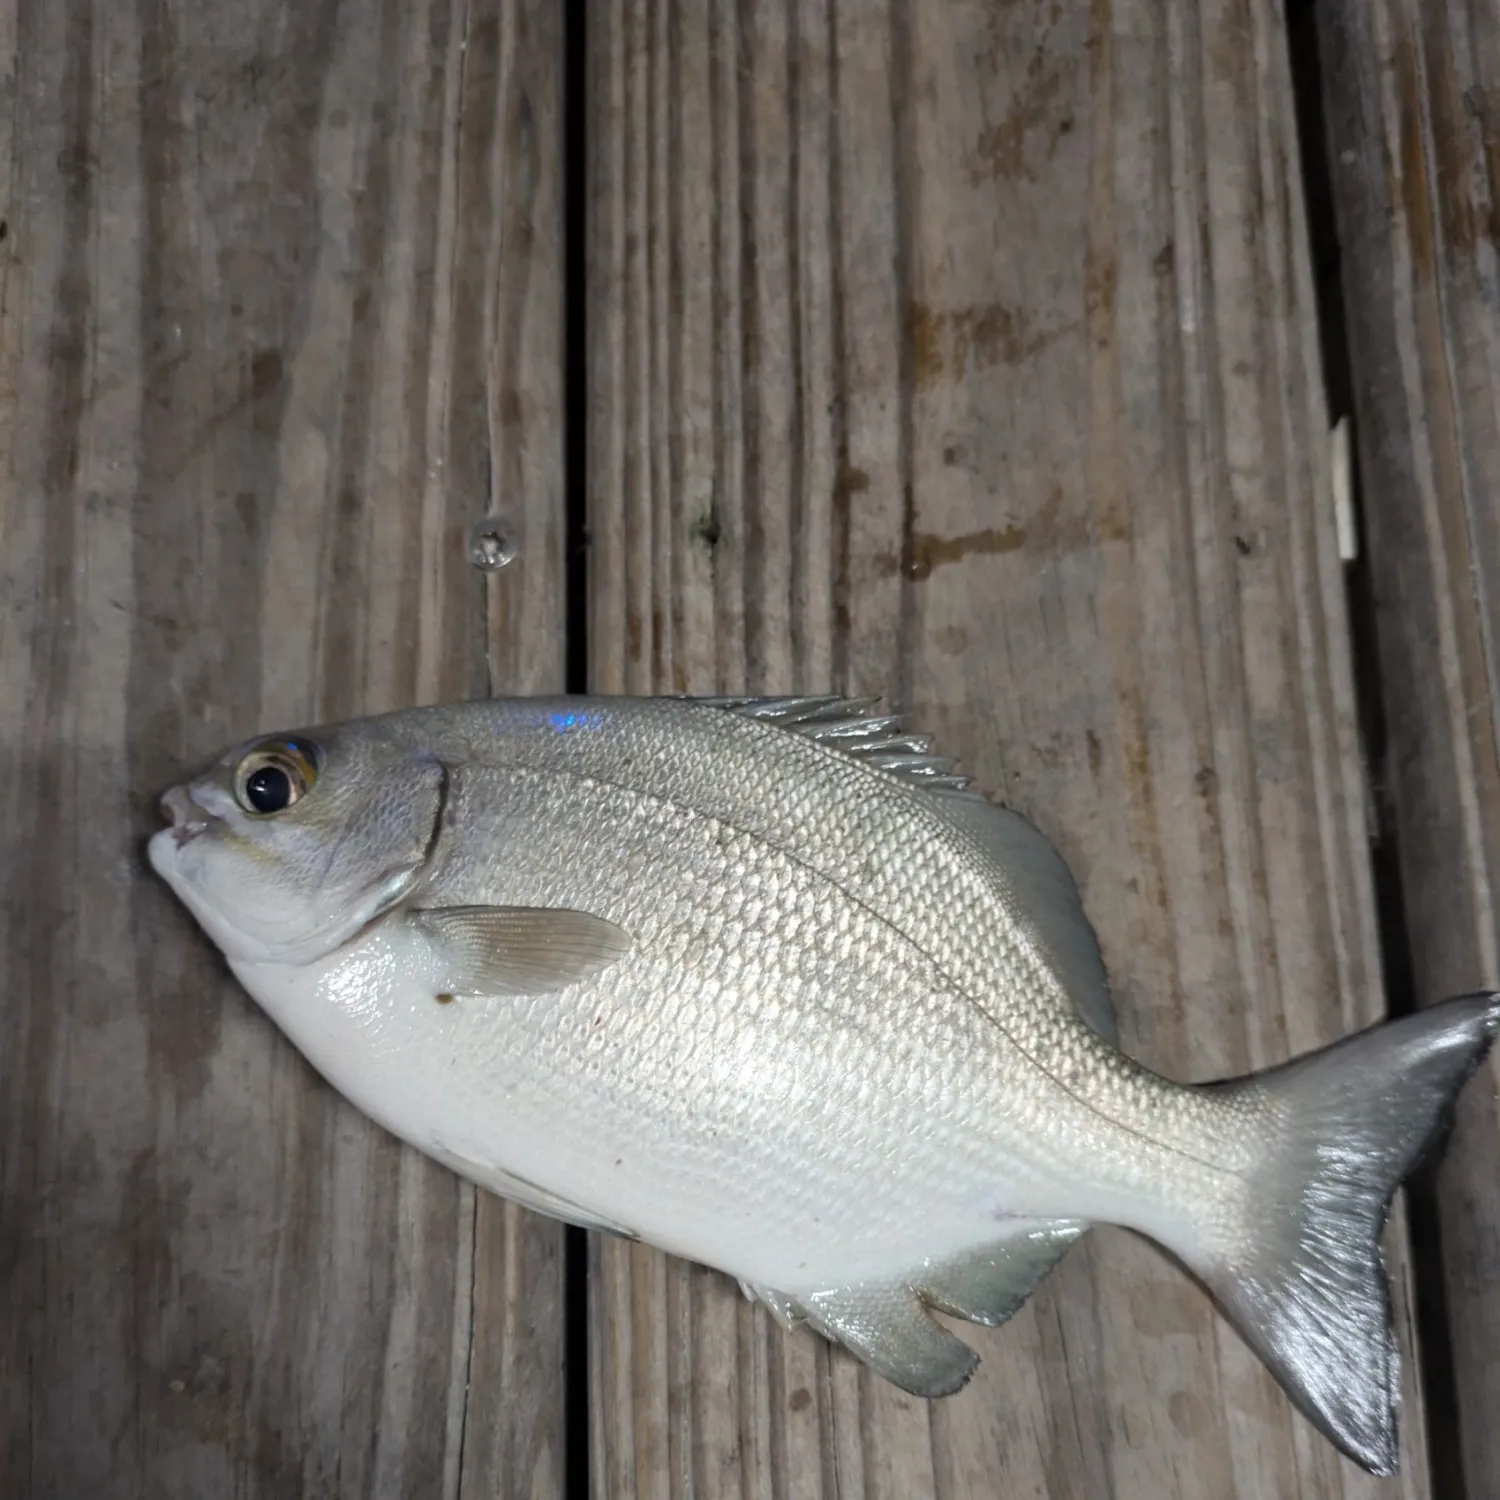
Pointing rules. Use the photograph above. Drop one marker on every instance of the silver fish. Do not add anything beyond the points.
(766, 984)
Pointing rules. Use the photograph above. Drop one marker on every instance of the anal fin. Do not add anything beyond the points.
(887, 1326)
(991, 1284)
(786, 1311)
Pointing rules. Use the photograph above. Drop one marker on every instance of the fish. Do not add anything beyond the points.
(769, 984)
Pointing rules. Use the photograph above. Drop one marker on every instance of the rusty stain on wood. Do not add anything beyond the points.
(929, 553)
(1035, 115)
(946, 341)
(1000, 150)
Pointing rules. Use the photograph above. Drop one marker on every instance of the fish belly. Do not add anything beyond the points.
(789, 1166)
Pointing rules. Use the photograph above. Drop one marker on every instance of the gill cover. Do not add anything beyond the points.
(388, 836)
(290, 883)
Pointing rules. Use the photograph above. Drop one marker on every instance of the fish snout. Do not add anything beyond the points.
(186, 818)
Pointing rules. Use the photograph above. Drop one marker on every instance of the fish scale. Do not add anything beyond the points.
(767, 984)
(959, 1059)
(946, 1043)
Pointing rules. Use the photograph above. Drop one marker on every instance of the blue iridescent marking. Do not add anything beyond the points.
(567, 721)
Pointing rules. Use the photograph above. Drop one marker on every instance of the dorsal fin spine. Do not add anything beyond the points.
(1026, 863)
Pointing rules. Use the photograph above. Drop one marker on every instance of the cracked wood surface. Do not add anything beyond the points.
(280, 311)
(965, 354)
(1412, 96)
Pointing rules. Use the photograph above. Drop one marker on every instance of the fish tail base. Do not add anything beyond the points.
(1306, 1288)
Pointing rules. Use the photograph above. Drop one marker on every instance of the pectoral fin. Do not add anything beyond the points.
(519, 950)
(887, 1327)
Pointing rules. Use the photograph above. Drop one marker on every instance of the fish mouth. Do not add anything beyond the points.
(186, 819)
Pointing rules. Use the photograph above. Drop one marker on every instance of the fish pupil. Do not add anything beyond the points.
(269, 789)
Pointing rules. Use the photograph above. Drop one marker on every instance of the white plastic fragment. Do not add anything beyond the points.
(1341, 474)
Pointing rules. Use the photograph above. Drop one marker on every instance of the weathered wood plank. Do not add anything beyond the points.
(965, 354)
(279, 316)
(1412, 99)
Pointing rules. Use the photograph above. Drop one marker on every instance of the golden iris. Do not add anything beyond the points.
(275, 775)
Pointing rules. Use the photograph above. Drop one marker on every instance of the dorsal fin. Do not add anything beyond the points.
(853, 726)
(1029, 872)
(1038, 885)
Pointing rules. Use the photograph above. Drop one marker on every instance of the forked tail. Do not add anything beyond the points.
(1307, 1289)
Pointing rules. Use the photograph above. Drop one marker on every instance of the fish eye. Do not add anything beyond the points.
(275, 775)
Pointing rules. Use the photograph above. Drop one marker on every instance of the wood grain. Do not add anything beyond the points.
(279, 316)
(1412, 97)
(965, 354)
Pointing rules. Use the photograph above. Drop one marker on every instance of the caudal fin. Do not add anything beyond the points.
(1307, 1291)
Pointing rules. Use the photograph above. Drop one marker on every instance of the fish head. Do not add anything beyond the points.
(291, 844)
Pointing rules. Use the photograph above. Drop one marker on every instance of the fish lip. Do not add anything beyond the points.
(184, 816)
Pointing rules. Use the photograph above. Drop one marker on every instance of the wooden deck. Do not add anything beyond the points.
(966, 354)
